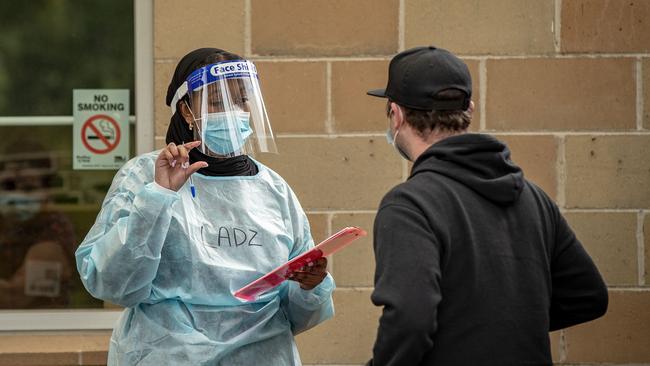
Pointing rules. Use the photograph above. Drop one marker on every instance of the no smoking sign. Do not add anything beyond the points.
(100, 134)
(101, 128)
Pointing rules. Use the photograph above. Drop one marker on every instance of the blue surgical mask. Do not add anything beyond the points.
(226, 132)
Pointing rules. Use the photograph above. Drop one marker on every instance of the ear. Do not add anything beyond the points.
(471, 107)
(185, 112)
(398, 115)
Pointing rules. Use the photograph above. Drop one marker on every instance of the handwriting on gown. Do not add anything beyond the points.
(234, 237)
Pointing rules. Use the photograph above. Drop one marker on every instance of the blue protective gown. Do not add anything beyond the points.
(174, 262)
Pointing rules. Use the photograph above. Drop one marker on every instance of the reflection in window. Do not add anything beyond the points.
(47, 49)
(37, 242)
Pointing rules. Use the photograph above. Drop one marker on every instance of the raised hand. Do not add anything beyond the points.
(173, 167)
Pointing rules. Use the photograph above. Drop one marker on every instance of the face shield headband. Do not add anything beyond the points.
(228, 109)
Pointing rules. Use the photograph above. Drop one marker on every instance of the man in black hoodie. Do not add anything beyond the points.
(475, 264)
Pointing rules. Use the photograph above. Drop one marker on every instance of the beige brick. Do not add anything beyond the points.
(478, 27)
(355, 265)
(646, 235)
(556, 346)
(329, 28)
(295, 95)
(159, 142)
(162, 113)
(537, 156)
(337, 173)
(318, 226)
(354, 111)
(610, 240)
(182, 26)
(561, 94)
(348, 337)
(605, 26)
(645, 70)
(607, 171)
(621, 336)
(473, 66)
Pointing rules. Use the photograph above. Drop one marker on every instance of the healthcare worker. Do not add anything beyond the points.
(172, 246)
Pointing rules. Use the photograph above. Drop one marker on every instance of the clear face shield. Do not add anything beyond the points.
(229, 114)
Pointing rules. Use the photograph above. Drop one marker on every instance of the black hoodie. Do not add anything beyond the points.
(475, 264)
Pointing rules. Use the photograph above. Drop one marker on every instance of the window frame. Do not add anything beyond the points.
(97, 319)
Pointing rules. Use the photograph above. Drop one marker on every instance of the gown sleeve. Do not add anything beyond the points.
(119, 257)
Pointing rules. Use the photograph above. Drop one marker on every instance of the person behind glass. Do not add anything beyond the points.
(474, 263)
(36, 241)
(183, 228)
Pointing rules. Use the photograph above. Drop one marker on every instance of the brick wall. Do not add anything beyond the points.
(563, 82)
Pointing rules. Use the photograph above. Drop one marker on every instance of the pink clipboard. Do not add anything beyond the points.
(272, 279)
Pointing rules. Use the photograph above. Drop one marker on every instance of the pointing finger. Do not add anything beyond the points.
(196, 166)
(190, 145)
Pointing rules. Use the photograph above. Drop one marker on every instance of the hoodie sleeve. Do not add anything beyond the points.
(407, 280)
(579, 293)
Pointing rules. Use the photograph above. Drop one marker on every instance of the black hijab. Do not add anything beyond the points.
(179, 131)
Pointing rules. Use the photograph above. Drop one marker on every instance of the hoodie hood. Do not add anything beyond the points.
(479, 162)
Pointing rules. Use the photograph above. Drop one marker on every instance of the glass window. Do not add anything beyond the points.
(47, 49)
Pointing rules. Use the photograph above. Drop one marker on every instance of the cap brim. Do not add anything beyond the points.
(381, 93)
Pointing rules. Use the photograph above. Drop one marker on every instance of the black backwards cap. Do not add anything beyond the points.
(416, 75)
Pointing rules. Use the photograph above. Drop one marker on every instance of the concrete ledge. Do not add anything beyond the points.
(60, 348)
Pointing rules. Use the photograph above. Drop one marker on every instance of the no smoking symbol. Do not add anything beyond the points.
(100, 134)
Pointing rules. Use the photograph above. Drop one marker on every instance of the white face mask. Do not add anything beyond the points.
(21, 205)
(391, 139)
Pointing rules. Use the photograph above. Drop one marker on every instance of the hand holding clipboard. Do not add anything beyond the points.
(272, 279)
